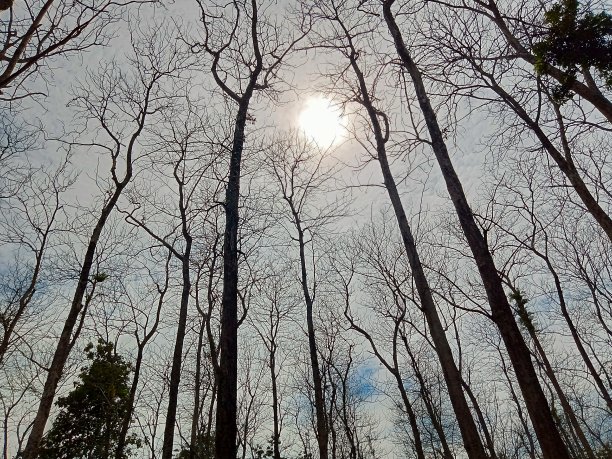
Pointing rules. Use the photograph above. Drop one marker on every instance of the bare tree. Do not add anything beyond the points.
(275, 307)
(300, 171)
(29, 219)
(519, 30)
(143, 338)
(207, 279)
(33, 33)
(246, 49)
(103, 104)
(191, 162)
(559, 131)
(541, 417)
(380, 128)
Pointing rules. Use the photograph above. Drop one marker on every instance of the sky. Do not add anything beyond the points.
(315, 113)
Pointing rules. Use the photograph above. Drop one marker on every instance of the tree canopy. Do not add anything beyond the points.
(577, 38)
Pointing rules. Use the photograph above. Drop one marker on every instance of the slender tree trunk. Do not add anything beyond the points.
(322, 428)
(529, 445)
(452, 377)
(227, 377)
(348, 430)
(121, 441)
(195, 415)
(332, 434)
(64, 345)
(567, 408)
(211, 413)
(574, 331)
(481, 419)
(125, 424)
(425, 395)
(177, 357)
(548, 435)
(275, 406)
(412, 419)
(394, 370)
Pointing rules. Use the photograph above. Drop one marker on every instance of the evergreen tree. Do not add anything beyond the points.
(577, 39)
(89, 421)
(203, 449)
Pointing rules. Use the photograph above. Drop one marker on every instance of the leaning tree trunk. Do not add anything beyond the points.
(452, 377)
(587, 91)
(546, 430)
(64, 345)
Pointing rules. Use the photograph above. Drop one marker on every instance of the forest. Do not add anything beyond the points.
(305, 229)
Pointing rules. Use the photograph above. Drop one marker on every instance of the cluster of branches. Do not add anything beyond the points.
(225, 268)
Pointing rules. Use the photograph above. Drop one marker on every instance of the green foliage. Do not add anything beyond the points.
(204, 448)
(525, 317)
(100, 277)
(576, 39)
(91, 415)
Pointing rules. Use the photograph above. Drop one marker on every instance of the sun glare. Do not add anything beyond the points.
(322, 122)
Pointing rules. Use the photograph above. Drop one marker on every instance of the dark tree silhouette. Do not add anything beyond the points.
(89, 421)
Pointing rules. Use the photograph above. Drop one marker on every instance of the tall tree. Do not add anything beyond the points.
(246, 50)
(112, 93)
(302, 173)
(537, 405)
(344, 38)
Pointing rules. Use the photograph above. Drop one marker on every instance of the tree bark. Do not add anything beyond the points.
(321, 418)
(64, 345)
(227, 378)
(177, 357)
(563, 160)
(275, 405)
(467, 426)
(548, 435)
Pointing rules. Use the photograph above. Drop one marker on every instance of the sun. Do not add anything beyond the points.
(322, 122)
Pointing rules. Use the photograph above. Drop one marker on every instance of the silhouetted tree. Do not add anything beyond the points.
(89, 422)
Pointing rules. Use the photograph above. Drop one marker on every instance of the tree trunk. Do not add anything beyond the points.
(469, 431)
(137, 366)
(593, 95)
(425, 395)
(64, 345)
(275, 406)
(177, 357)
(125, 425)
(322, 430)
(227, 378)
(548, 435)
(195, 415)
(573, 330)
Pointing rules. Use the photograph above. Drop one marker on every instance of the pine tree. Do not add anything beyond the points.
(89, 421)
